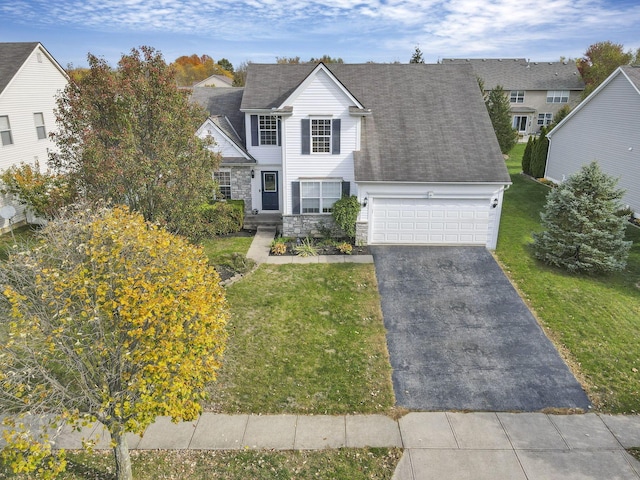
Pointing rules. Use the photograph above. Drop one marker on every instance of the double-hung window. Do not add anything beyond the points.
(321, 135)
(268, 129)
(544, 119)
(557, 96)
(38, 119)
(5, 130)
(318, 196)
(265, 130)
(517, 96)
(223, 179)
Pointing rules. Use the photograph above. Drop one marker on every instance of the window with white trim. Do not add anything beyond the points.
(321, 135)
(268, 129)
(558, 96)
(5, 130)
(38, 119)
(223, 179)
(318, 196)
(545, 119)
(517, 96)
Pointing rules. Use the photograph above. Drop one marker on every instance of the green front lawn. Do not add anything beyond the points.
(305, 339)
(594, 321)
(353, 463)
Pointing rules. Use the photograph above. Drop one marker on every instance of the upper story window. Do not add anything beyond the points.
(320, 135)
(268, 129)
(545, 119)
(38, 119)
(5, 130)
(265, 130)
(557, 96)
(318, 196)
(517, 96)
(223, 179)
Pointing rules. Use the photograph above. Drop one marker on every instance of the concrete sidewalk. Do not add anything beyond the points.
(261, 244)
(437, 445)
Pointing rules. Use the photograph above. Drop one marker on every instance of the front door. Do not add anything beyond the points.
(270, 191)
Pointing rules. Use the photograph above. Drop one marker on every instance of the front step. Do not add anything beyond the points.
(252, 222)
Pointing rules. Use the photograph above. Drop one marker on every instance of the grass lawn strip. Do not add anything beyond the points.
(305, 339)
(354, 464)
(596, 319)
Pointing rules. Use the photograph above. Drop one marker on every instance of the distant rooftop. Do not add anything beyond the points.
(522, 74)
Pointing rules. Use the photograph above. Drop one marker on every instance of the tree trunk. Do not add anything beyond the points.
(121, 453)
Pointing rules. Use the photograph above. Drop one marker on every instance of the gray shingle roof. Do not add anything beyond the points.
(428, 122)
(223, 123)
(518, 74)
(633, 72)
(222, 102)
(12, 57)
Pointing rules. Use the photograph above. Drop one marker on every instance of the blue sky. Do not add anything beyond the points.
(355, 30)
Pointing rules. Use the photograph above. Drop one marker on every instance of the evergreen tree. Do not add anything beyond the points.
(539, 155)
(500, 113)
(526, 157)
(417, 56)
(582, 229)
(559, 116)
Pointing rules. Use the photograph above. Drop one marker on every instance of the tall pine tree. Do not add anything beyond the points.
(500, 114)
(582, 229)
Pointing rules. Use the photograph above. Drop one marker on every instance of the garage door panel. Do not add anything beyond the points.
(430, 221)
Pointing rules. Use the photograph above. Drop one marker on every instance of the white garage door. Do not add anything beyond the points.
(430, 221)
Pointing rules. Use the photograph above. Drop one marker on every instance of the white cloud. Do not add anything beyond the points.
(380, 27)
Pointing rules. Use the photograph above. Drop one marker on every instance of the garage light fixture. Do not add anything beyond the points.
(365, 200)
(495, 203)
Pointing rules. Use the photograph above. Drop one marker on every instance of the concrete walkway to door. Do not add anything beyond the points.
(461, 338)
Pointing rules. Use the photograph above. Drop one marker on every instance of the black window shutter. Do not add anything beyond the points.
(335, 136)
(279, 134)
(305, 125)
(295, 197)
(346, 189)
(254, 130)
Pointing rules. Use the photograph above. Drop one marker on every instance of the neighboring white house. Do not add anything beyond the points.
(298, 137)
(605, 127)
(215, 81)
(30, 78)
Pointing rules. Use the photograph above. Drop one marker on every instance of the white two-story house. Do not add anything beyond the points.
(30, 79)
(298, 137)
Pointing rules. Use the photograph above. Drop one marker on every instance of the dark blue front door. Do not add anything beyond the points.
(270, 191)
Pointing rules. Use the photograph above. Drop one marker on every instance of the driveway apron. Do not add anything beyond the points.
(461, 338)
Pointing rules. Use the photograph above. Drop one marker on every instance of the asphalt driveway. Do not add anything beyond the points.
(460, 337)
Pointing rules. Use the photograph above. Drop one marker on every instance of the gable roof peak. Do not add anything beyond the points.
(309, 78)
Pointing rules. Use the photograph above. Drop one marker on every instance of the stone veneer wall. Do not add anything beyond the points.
(306, 225)
(362, 231)
(241, 186)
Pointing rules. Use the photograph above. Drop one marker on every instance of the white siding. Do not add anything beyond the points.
(32, 90)
(321, 97)
(264, 154)
(605, 129)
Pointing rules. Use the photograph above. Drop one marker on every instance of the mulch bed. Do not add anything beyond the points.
(325, 250)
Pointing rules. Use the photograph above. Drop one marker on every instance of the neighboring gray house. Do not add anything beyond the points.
(536, 90)
(30, 79)
(298, 137)
(605, 127)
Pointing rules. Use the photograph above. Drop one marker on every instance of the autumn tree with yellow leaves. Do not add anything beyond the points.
(107, 318)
